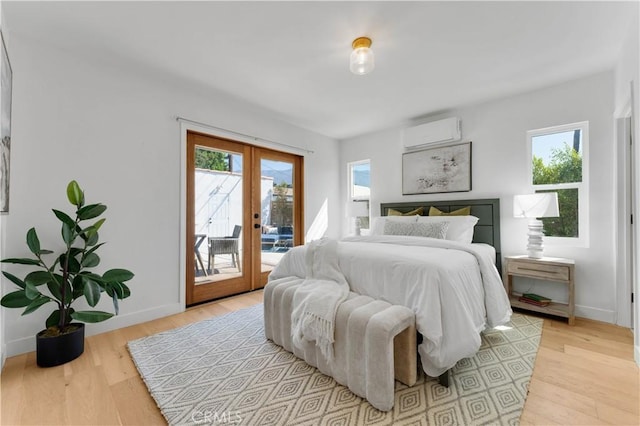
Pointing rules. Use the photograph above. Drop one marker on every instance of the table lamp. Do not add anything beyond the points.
(533, 206)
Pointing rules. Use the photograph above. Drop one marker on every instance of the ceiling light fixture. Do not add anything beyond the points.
(361, 61)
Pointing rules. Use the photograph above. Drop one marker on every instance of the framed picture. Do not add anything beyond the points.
(441, 169)
(6, 77)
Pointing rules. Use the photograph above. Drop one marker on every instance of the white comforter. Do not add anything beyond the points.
(453, 288)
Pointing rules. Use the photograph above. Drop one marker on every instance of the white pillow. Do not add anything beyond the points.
(377, 226)
(460, 227)
(430, 230)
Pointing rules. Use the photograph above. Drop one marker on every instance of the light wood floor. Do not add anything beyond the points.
(584, 374)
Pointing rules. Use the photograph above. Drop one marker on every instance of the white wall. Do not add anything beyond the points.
(114, 131)
(498, 132)
(627, 71)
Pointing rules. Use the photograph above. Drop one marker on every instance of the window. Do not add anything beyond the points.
(558, 160)
(360, 188)
(359, 180)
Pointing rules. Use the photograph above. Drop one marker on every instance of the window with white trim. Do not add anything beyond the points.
(558, 159)
(360, 188)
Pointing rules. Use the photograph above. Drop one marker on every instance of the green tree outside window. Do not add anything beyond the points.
(565, 166)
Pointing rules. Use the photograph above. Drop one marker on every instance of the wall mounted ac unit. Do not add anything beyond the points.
(447, 130)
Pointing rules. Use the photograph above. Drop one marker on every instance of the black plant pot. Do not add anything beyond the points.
(57, 350)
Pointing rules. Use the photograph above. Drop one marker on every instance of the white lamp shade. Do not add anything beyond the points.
(542, 204)
(357, 209)
(361, 61)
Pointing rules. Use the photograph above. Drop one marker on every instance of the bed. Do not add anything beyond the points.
(454, 288)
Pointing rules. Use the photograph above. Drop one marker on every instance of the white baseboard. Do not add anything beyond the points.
(4, 356)
(636, 355)
(28, 344)
(603, 315)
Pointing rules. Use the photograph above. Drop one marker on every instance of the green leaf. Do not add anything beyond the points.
(36, 304)
(74, 265)
(92, 292)
(90, 236)
(43, 251)
(119, 275)
(54, 289)
(117, 288)
(109, 290)
(64, 218)
(95, 277)
(75, 251)
(17, 281)
(91, 260)
(90, 232)
(93, 239)
(74, 194)
(94, 248)
(78, 286)
(98, 224)
(33, 242)
(21, 261)
(87, 232)
(53, 319)
(68, 234)
(31, 292)
(37, 278)
(15, 299)
(91, 211)
(91, 316)
(126, 292)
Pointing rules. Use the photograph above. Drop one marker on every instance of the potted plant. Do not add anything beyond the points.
(67, 276)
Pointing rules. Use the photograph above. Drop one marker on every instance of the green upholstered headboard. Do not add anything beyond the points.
(487, 211)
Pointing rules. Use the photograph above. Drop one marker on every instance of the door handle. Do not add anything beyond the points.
(256, 225)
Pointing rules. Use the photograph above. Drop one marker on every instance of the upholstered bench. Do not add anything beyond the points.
(375, 342)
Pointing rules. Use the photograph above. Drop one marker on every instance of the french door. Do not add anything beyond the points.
(244, 212)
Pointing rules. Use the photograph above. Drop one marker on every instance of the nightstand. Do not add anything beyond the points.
(553, 269)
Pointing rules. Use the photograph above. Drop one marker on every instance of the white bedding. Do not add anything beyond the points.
(453, 288)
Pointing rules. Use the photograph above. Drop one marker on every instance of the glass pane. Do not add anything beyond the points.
(363, 222)
(567, 224)
(218, 215)
(277, 211)
(360, 180)
(557, 157)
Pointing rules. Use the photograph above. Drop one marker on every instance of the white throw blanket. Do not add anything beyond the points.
(316, 301)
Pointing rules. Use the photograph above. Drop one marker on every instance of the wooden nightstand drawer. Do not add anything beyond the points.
(539, 270)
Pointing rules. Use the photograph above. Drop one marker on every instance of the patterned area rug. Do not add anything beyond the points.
(223, 370)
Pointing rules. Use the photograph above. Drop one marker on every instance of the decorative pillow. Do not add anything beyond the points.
(460, 227)
(430, 230)
(465, 211)
(377, 227)
(394, 212)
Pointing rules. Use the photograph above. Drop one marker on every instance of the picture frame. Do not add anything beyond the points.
(6, 81)
(445, 168)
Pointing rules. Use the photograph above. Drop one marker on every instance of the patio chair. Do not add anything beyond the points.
(226, 245)
(285, 239)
